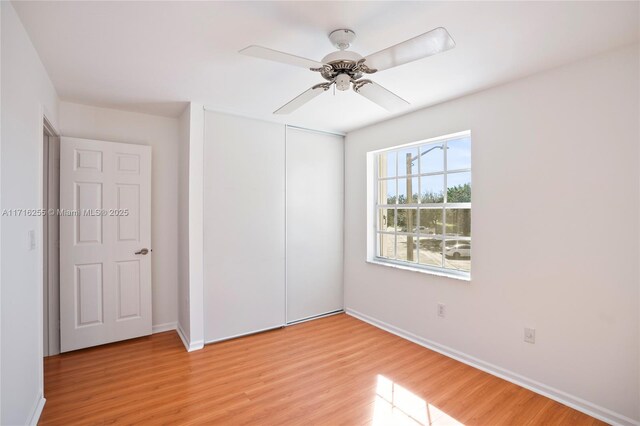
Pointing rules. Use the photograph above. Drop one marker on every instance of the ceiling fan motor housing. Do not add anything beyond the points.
(342, 38)
(341, 62)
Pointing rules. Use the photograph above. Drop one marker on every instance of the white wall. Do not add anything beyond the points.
(162, 134)
(26, 92)
(555, 234)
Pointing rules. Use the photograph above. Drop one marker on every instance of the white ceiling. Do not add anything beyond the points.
(154, 56)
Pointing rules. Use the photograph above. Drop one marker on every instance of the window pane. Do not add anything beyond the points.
(407, 248)
(387, 191)
(386, 246)
(386, 220)
(431, 158)
(407, 220)
(458, 222)
(430, 221)
(459, 187)
(387, 164)
(432, 189)
(430, 251)
(408, 161)
(458, 255)
(459, 154)
(407, 190)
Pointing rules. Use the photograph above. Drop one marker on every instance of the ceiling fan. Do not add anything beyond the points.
(345, 68)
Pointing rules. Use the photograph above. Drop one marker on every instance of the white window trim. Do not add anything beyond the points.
(421, 269)
(373, 206)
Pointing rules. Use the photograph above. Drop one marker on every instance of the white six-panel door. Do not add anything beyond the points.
(105, 279)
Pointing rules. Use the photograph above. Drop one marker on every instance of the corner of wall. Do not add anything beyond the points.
(190, 288)
(189, 345)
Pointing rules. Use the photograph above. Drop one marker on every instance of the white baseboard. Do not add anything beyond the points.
(189, 346)
(183, 337)
(160, 328)
(575, 402)
(37, 411)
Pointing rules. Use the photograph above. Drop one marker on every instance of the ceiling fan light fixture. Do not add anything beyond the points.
(343, 82)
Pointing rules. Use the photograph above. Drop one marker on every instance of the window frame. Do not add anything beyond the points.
(376, 207)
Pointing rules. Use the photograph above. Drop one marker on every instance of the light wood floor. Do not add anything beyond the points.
(336, 370)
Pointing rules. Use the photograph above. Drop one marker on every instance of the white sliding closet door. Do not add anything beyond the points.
(244, 226)
(315, 200)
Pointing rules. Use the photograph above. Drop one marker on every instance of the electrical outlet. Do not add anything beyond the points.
(441, 310)
(529, 335)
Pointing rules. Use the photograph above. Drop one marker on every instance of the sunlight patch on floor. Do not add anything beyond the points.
(395, 405)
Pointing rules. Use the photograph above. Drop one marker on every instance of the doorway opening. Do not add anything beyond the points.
(50, 240)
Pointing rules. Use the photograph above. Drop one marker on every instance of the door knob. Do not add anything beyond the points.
(143, 251)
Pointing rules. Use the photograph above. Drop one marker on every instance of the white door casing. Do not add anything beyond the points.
(105, 287)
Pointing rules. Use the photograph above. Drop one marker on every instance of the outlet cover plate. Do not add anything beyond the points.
(530, 335)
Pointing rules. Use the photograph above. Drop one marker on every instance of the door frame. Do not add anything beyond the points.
(43, 122)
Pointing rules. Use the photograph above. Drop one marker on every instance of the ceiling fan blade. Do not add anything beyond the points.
(303, 98)
(379, 95)
(277, 56)
(427, 44)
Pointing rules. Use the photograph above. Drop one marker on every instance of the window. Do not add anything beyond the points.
(423, 205)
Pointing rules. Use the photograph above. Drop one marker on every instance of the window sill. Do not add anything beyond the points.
(440, 273)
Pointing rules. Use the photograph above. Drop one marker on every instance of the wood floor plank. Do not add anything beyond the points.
(332, 371)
